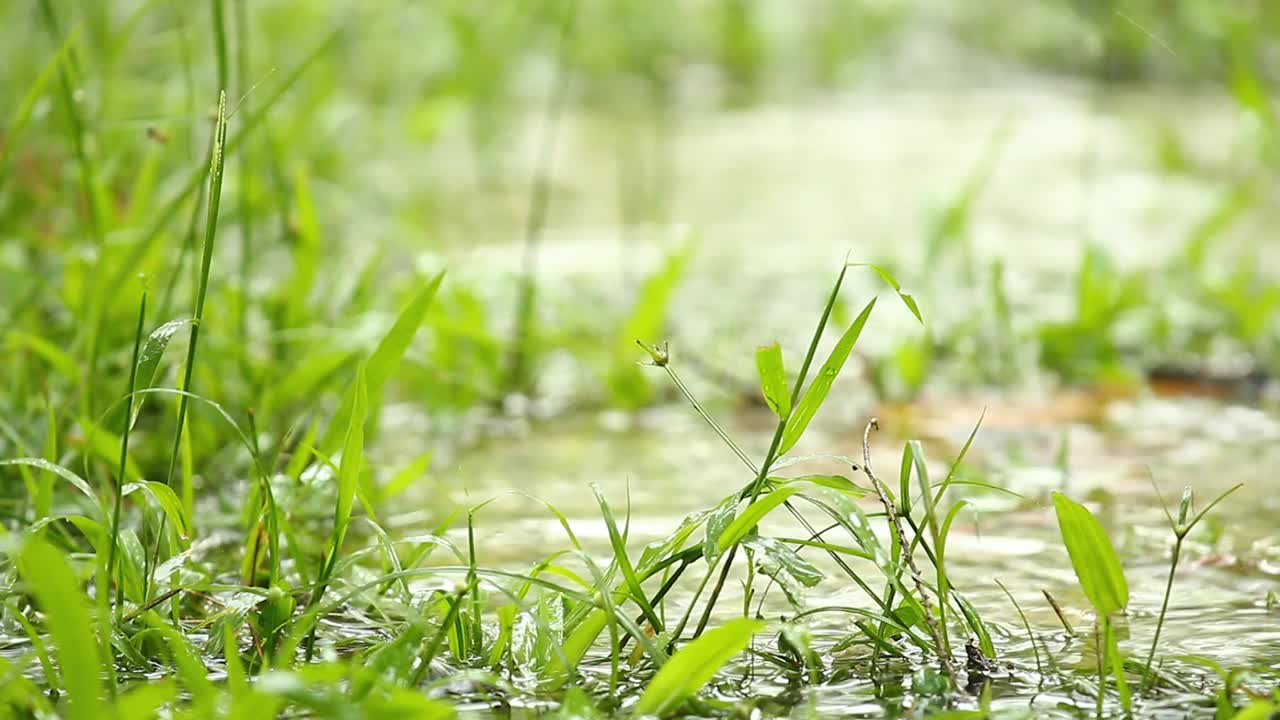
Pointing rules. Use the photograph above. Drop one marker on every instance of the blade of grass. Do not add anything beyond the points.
(62, 600)
(384, 361)
(194, 181)
(216, 163)
(773, 379)
(695, 665)
(348, 478)
(1094, 559)
(813, 398)
(637, 593)
(124, 453)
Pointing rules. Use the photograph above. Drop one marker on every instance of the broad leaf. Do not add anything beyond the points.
(717, 522)
(773, 379)
(1095, 561)
(781, 562)
(833, 482)
(694, 666)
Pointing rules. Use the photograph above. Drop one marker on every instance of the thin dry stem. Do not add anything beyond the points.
(896, 524)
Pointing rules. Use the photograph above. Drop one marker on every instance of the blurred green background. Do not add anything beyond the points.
(1072, 188)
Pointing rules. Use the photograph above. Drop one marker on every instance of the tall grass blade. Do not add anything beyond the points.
(624, 562)
(817, 392)
(247, 124)
(210, 234)
(122, 467)
(348, 479)
(61, 599)
(383, 362)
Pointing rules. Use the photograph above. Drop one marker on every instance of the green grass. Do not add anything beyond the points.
(221, 515)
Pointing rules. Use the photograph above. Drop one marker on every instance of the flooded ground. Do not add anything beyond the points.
(668, 465)
(778, 195)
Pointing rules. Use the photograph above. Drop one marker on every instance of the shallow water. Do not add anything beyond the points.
(778, 195)
(667, 464)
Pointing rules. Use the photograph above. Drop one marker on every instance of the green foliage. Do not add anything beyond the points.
(348, 480)
(1102, 578)
(694, 665)
(1094, 559)
(124, 550)
(798, 421)
(628, 386)
(62, 600)
(773, 379)
(1086, 346)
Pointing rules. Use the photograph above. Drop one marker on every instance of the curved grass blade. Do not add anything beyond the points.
(148, 367)
(42, 464)
(348, 478)
(349, 470)
(168, 501)
(907, 298)
(949, 480)
(636, 591)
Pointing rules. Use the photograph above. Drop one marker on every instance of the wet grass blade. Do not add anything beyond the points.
(348, 479)
(773, 379)
(169, 503)
(384, 361)
(752, 516)
(42, 464)
(147, 363)
(694, 666)
(576, 645)
(1094, 559)
(813, 398)
(636, 591)
(123, 465)
(246, 125)
(907, 298)
(62, 600)
(216, 164)
(348, 474)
